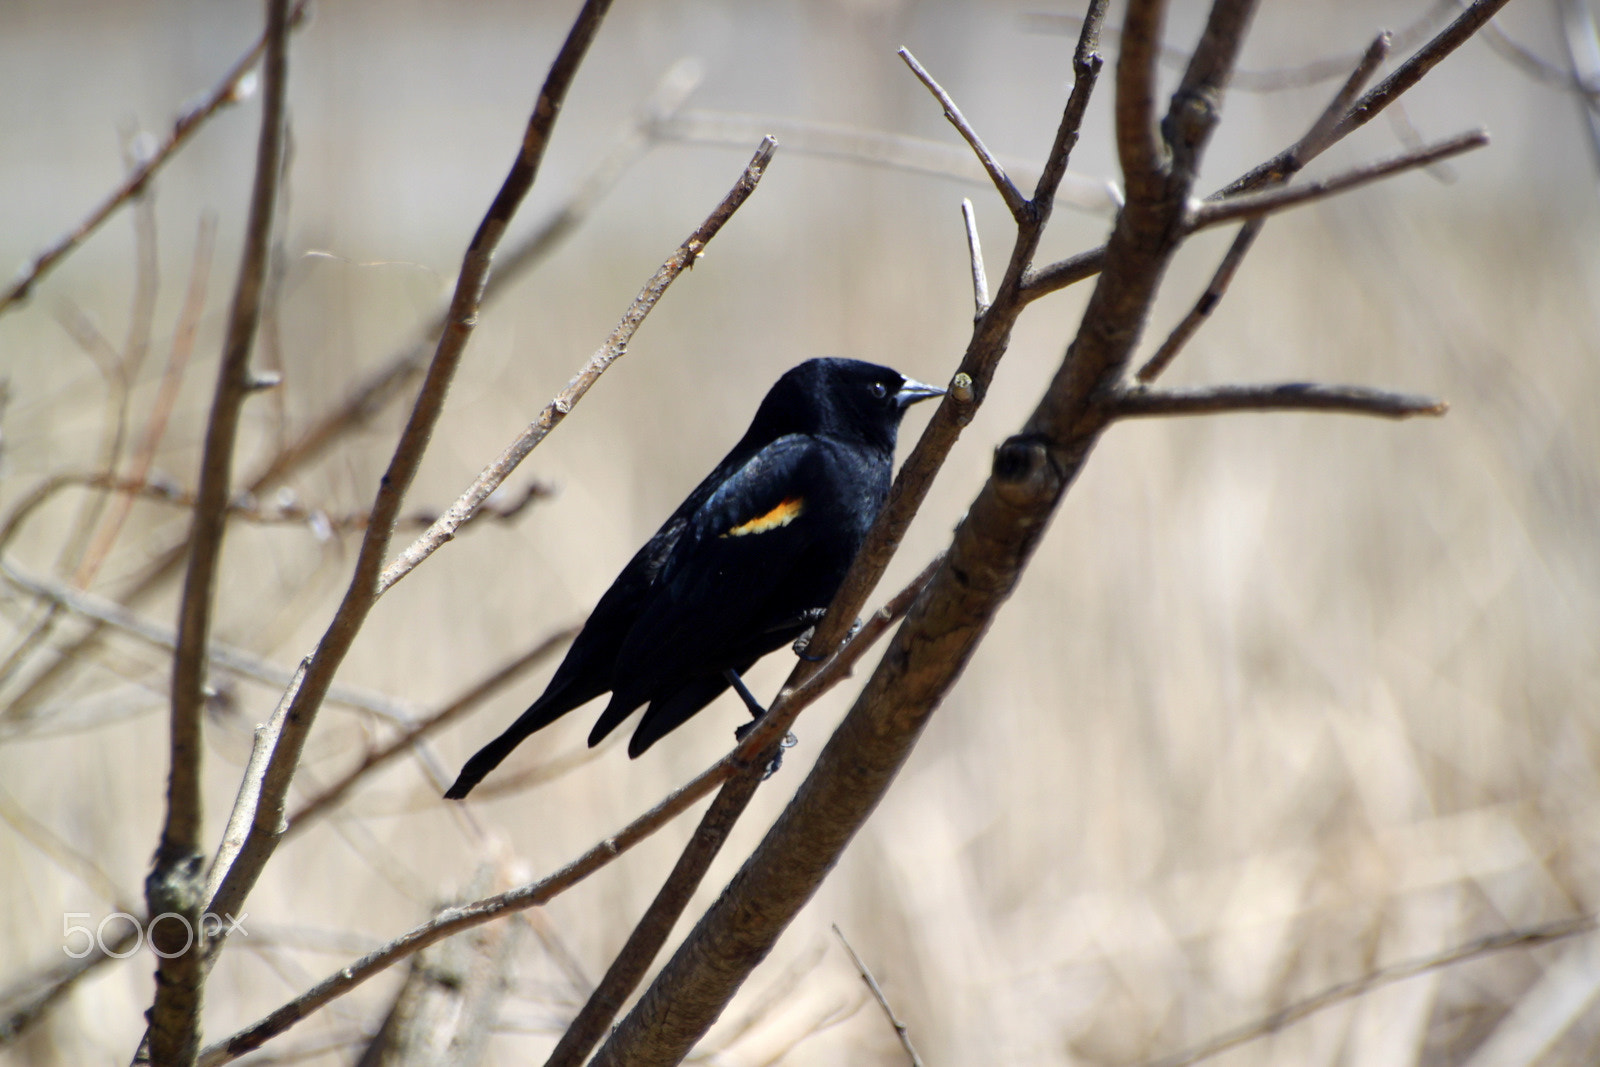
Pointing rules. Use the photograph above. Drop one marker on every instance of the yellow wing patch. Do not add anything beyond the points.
(782, 515)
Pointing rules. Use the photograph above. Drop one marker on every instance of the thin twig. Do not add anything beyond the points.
(879, 148)
(1083, 265)
(1289, 396)
(615, 347)
(1014, 199)
(166, 399)
(476, 694)
(1269, 201)
(743, 757)
(991, 336)
(219, 656)
(228, 91)
(1265, 79)
(883, 1002)
(1531, 937)
(256, 825)
(980, 279)
(1312, 144)
(177, 880)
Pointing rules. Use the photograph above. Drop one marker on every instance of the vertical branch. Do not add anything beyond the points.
(175, 884)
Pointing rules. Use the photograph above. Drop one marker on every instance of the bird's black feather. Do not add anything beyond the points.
(741, 567)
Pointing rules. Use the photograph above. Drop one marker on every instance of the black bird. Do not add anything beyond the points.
(742, 568)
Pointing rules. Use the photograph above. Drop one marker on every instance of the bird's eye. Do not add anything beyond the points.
(879, 390)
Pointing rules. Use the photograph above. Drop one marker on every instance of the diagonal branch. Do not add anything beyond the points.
(1293, 1013)
(176, 883)
(228, 91)
(744, 757)
(1290, 396)
(997, 174)
(1270, 201)
(1315, 140)
(256, 824)
(444, 528)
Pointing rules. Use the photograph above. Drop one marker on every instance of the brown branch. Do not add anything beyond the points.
(939, 635)
(1290, 396)
(1269, 201)
(652, 930)
(331, 795)
(228, 91)
(1086, 264)
(1139, 147)
(256, 824)
(176, 880)
(980, 279)
(746, 755)
(444, 528)
(1531, 937)
(900, 1030)
(1313, 143)
(1380, 96)
(991, 336)
(997, 174)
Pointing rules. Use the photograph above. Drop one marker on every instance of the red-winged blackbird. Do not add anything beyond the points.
(742, 568)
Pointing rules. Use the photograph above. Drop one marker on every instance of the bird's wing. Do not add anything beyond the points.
(714, 593)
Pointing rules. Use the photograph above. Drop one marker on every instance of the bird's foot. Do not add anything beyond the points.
(788, 742)
(803, 643)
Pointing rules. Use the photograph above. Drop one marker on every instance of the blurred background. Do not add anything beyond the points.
(1283, 699)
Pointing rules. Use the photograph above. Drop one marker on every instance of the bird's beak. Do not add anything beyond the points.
(913, 391)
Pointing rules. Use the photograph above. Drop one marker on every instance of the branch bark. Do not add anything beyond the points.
(175, 885)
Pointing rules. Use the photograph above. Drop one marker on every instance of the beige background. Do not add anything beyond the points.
(1282, 698)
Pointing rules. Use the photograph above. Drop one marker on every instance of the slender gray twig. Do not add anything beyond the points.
(876, 990)
(615, 346)
(228, 91)
(1289, 396)
(980, 279)
(1293, 1013)
(997, 174)
(1269, 201)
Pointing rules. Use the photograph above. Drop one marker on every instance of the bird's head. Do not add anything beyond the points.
(844, 398)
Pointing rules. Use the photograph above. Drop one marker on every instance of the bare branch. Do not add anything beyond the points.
(745, 756)
(261, 804)
(161, 407)
(980, 279)
(1269, 201)
(1289, 396)
(176, 881)
(877, 148)
(1086, 264)
(997, 174)
(1293, 1013)
(991, 336)
(1313, 143)
(228, 91)
(444, 528)
(883, 1002)
(1386, 92)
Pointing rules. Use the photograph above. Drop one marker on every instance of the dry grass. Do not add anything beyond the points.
(1283, 699)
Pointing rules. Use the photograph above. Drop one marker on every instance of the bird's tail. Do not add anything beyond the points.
(544, 711)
